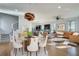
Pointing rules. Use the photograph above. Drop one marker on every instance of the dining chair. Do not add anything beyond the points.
(33, 47)
(42, 43)
(17, 44)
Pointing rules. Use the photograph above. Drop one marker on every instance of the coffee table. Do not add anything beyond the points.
(60, 42)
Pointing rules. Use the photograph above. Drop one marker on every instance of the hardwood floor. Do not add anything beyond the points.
(5, 49)
(71, 51)
(52, 51)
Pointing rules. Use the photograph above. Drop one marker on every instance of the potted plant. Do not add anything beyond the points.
(29, 34)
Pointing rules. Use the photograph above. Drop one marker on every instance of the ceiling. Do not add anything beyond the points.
(49, 10)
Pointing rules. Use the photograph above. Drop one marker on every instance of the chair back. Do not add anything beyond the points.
(16, 43)
(45, 42)
(45, 34)
(33, 45)
(15, 40)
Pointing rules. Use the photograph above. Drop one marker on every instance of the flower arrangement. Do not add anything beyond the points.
(29, 34)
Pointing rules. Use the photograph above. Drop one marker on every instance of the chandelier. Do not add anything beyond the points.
(29, 16)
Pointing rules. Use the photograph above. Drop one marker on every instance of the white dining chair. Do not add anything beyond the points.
(33, 47)
(17, 44)
(42, 43)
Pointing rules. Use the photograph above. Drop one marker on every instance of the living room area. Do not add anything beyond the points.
(39, 29)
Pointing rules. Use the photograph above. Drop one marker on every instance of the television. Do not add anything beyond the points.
(47, 26)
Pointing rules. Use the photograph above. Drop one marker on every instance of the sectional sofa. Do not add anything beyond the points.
(72, 36)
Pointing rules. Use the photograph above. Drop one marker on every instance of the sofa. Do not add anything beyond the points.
(67, 34)
(64, 34)
(71, 36)
(74, 38)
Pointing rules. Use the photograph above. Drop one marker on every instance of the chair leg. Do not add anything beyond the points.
(45, 50)
(27, 53)
(22, 50)
(19, 49)
(15, 51)
(36, 53)
(39, 48)
(30, 53)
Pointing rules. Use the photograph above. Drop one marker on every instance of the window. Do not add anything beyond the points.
(53, 27)
(72, 26)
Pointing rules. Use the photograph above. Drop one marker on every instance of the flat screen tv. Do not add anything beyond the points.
(47, 26)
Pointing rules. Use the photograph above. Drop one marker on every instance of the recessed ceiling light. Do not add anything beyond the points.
(59, 7)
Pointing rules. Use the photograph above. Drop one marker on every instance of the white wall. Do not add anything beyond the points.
(39, 19)
(22, 23)
(6, 21)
